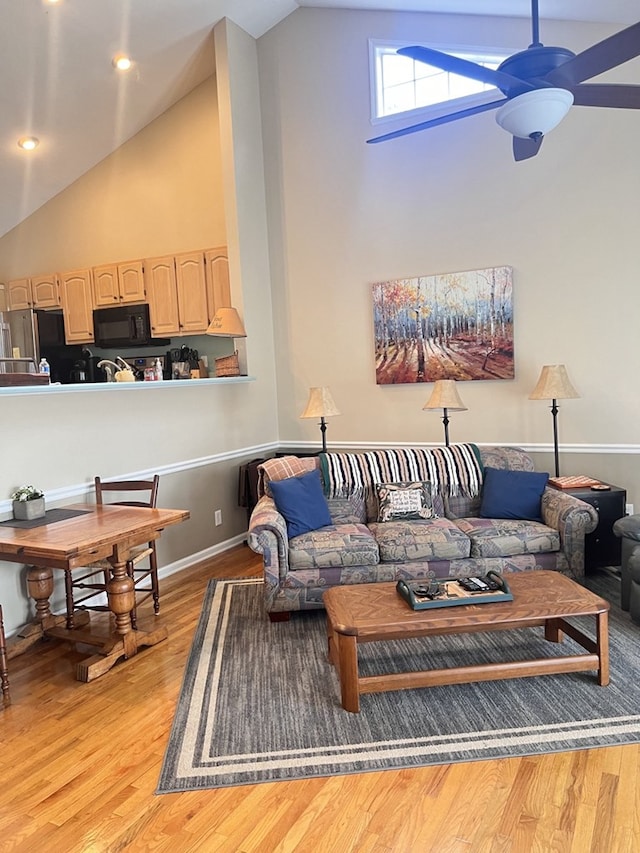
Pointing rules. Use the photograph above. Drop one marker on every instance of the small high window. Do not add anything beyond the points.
(401, 84)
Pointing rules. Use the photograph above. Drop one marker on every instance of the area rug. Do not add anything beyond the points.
(260, 701)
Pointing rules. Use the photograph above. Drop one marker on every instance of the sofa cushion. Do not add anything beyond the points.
(336, 546)
(460, 506)
(404, 501)
(433, 539)
(347, 510)
(302, 503)
(498, 537)
(512, 494)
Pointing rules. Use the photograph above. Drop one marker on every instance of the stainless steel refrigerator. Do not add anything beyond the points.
(19, 341)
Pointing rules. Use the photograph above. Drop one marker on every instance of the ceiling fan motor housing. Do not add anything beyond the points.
(534, 63)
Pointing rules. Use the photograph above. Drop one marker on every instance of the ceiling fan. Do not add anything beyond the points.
(539, 84)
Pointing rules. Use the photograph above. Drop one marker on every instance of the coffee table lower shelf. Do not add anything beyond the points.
(394, 620)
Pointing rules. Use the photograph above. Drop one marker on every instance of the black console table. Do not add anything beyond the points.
(602, 548)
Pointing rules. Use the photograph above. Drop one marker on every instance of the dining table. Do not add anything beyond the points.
(74, 537)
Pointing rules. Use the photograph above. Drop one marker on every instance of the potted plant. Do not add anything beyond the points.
(28, 503)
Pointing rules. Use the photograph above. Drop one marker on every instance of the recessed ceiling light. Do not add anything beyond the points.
(28, 143)
(121, 62)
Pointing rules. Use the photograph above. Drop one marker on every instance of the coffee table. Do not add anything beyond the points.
(367, 613)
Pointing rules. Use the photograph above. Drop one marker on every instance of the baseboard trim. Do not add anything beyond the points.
(201, 556)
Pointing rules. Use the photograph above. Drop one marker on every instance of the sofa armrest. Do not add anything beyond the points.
(573, 519)
(268, 536)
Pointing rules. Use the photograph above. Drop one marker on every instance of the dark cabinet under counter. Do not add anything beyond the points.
(602, 547)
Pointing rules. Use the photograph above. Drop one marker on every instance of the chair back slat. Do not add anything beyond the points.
(119, 486)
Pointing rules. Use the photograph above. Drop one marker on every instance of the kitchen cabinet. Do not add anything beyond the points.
(192, 293)
(177, 294)
(40, 291)
(162, 295)
(116, 284)
(217, 279)
(77, 306)
(19, 294)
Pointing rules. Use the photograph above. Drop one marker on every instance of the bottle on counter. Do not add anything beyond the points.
(158, 370)
(44, 367)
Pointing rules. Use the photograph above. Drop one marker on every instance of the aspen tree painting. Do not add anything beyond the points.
(449, 326)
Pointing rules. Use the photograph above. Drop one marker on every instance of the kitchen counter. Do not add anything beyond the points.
(116, 387)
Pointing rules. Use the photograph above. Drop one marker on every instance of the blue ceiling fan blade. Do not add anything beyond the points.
(509, 84)
(434, 122)
(610, 53)
(606, 95)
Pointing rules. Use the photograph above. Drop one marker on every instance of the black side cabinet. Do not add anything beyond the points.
(602, 548)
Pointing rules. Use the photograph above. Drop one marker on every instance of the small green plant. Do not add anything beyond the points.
(27, 493)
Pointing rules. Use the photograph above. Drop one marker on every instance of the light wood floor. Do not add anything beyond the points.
(79, 764)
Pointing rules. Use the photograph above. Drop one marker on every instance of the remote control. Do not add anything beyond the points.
(478, 584)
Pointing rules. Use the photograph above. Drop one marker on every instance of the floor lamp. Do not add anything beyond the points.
(554, 384)
(445, 396)
(320, 405)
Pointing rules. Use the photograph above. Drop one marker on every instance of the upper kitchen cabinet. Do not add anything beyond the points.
(77, 305)
(192, 293)
(162, 295)
(41, 291)
(116, 284)
(19, 294)
(217, 278)
(177, 294)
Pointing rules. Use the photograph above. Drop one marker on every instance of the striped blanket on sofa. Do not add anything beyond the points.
(454, 470)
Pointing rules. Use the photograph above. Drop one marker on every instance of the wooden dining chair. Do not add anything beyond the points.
(4, 672)
(93, 582)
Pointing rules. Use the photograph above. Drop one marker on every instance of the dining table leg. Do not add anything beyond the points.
(40, 589)
(124, 642)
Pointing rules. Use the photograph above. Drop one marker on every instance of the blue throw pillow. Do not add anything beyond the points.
(302, 503)
(512, 494)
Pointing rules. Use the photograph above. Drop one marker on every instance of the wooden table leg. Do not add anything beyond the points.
(125, 642)
(552, 630)
(602, 640)
(40, 588)
(348, 671)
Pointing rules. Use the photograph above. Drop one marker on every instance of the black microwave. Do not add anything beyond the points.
(124, 326)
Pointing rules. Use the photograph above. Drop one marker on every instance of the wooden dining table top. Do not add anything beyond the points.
(94, 534)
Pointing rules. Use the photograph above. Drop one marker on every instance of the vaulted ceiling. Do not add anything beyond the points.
(59, 84)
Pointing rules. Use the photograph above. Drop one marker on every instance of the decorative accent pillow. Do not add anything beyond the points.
(281, 468)
(512, 494)
(302, 503)
(404, 501)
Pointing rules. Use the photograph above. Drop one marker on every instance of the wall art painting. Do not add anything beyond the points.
(455, 325)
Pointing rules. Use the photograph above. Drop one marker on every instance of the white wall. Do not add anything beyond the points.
(344, 215)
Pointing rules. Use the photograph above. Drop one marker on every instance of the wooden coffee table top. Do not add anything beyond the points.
(376, 611)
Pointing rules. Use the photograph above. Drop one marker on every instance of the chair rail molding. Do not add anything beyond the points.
(80, 490)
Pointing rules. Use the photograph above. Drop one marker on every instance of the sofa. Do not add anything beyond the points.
(628, 529)
(452, 537)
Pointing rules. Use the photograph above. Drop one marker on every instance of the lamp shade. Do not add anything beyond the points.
(227, 324)
(445, 396)
(534, 113)
(320, 404)
(553, 384)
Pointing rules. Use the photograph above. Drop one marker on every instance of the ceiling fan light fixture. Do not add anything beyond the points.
(534, 113)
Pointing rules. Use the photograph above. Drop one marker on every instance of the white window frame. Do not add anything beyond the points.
(442, 107)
